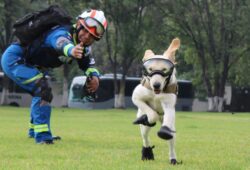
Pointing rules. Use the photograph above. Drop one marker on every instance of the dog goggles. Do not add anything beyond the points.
(93, 27)
(165, 71)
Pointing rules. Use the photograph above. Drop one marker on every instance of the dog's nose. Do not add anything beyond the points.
(157, 85)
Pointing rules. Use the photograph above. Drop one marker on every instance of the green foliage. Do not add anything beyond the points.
(239, 75)
(9, 11)
(107, 140)
(125, 38)
(134, 26)
(189, 68)
(57, 73)
(215, 35)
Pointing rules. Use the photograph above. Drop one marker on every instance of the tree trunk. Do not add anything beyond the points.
(120, 97)
(3, 96)
(5, 91)
(210, 104)
(119, 101)
(215, 104)
(220, 104)
(6, 38)
(65, 93)
(65, 86)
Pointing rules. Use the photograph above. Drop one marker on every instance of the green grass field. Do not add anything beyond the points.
(107, 140)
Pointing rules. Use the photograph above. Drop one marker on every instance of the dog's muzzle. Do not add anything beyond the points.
(165, 71)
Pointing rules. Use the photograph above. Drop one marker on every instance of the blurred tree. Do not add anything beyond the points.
(214, 35)
(9, 9)
(238, 76)
(213, 32)
(124, 38)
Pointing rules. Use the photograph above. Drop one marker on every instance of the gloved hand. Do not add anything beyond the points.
(92, 84)
(90, 87)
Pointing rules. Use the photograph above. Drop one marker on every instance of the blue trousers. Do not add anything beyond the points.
(26, 77)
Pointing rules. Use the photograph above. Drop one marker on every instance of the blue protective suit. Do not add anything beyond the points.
(23, 66)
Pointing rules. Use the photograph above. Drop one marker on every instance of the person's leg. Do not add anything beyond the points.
(29, 78)
(31, 132)
(41, 115)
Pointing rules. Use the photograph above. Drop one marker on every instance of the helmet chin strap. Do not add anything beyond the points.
(77, 30)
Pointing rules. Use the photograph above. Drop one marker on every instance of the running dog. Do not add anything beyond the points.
(156, 97)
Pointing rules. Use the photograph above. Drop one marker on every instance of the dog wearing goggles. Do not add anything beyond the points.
(156, 97)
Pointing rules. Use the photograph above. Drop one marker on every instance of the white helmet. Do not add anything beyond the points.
(94, 21)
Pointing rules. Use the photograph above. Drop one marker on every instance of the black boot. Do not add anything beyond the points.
(143, 120)
(165, 133)
(147, 153)
(47, 142)
(56, 138)
(175, 162)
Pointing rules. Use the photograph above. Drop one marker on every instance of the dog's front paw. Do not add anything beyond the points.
(165, 133)
(147, 153)
(175, 162)
(144, 121)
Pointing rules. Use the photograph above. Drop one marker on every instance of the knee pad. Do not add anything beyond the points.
(45, 91)
(46, 94)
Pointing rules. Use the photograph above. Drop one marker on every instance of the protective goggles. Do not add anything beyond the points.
(164, 67)
(93, 27)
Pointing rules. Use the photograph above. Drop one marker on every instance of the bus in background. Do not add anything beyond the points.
(16, 96)
(105, 93)
(185, 95)
(236, 99)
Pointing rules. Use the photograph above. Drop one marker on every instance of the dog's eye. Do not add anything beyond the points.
(164, 70)
(150, 69)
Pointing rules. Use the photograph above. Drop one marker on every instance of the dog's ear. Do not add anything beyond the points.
(170, 52)
(148, 54)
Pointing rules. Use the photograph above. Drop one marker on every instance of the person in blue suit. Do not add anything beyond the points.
(60, 45)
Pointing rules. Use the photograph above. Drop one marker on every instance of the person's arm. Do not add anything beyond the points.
(62, 41)
(87, 64)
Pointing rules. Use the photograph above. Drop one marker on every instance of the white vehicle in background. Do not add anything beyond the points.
(105, 93)
(16, 96)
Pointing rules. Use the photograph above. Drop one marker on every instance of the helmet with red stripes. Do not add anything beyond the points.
(94, 22)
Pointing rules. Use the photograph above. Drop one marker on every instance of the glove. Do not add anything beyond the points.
(90, 87)
(92, 84)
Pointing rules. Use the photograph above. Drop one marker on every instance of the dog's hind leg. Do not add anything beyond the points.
(167, 130)
(147, 149)
(169, 118)
(172, 154)
(168, 106)
(168, 125)
(144, 131)
(144, 134)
